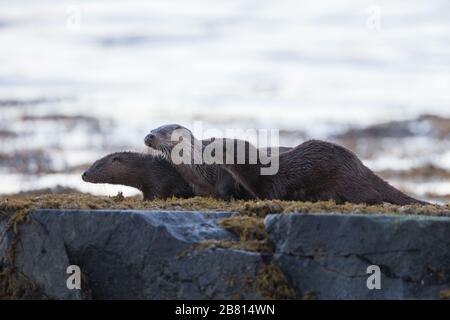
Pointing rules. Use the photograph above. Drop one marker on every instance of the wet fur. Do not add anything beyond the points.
(205, 179)
(152, 175)
(318, 170)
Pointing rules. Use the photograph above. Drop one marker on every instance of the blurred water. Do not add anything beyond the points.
(314, 66)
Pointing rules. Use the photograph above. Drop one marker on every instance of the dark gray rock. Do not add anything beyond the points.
(155, 255)
(133, 255)
(5, 240)
(327, 255)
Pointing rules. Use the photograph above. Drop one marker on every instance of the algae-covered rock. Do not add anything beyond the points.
(328, 254)
(133, 255)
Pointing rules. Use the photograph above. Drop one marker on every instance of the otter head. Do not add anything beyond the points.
(166, 137)
(112, 169)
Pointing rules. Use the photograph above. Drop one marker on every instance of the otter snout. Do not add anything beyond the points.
(87, 176)
(84, 176)
(150, 140)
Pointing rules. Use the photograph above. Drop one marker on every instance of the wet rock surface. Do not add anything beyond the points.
(327, 255)
(132, 254)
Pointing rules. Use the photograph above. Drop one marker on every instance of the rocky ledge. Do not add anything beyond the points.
(129, 254)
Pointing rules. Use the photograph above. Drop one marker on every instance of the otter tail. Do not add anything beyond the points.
(393, 195)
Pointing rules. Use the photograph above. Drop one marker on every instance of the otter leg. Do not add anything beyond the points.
(225, 190)
(225, 187)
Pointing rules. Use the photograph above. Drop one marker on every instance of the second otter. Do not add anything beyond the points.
(153, 175)
(315, 171)
(205, 179)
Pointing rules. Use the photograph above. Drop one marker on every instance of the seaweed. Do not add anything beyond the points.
(247, 225)
(251, 232)
(272, 284)
(254, 208)
(445, 294)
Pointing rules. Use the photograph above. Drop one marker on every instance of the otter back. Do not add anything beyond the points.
(318, 170)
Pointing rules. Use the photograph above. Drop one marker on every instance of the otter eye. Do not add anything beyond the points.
(115, 159)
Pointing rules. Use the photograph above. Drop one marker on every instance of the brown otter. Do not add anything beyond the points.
(205, 179)
(153, 175)
(314, 171)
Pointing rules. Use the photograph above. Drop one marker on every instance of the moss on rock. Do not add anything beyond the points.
(257, 208)
(271, 283)
(247, 225)
(445, 294)
(251, 232)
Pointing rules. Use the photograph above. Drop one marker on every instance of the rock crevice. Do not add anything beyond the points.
(128, 254)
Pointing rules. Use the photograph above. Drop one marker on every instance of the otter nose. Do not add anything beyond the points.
(84, 175)
(149, 139)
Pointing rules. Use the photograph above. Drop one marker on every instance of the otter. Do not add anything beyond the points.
(152, 175)
(315, 171)
(205, 179)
